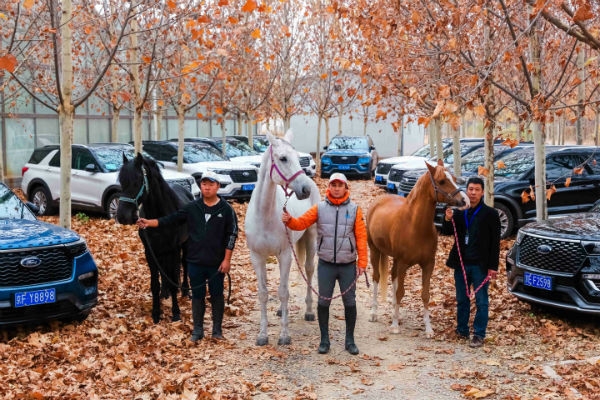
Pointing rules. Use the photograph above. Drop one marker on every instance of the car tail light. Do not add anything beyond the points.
(23, 170)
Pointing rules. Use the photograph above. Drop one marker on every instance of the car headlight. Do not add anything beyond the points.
(520, 236)
(364, 160)
(591, 247)
(326, 160)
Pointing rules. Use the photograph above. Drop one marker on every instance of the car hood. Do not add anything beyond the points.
(254, 160)
(20, 234)
(414, 163)
(349, 152)
(402, 159)
(579, 226)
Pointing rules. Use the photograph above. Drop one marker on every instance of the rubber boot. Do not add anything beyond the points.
(350, 314)
(198, 308)
(218, 309)
(323, 316)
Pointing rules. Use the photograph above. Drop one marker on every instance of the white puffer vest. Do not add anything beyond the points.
(335, 227)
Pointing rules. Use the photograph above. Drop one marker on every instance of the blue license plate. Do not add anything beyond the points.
(402, 194)
(391, 186)
(537, 281)
(378, 178)
(344, 167)
(248, 187)
(35, 297)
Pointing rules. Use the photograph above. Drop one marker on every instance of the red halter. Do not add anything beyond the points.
(287, 181)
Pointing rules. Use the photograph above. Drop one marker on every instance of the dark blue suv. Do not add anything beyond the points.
(46, 272)
(350, 155)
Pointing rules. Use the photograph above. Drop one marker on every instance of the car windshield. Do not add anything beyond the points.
(112, 158)
(516, 163)
(11, 207)
(261, 144)
(348, 143)
(448, 153)
(236, 148)
(193, 153)
(470, 162)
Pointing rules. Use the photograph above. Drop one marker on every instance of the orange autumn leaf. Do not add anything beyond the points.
(578, 170)
(27, 4)
(525, 197)
(219, 110)
(479, 110)
(483, 171)
(171, 5)
(255, 34)
(500, 165)
(550, 192)
(146, 59)
(568, 182)
(583, 13)
(249, 6)
(8, 62)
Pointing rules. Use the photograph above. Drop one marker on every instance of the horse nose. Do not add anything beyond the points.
(305, 191)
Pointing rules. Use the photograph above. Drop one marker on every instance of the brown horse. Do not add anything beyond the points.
(403, 228)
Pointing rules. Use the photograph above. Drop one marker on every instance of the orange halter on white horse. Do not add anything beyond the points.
(266, 234)
(402, 228)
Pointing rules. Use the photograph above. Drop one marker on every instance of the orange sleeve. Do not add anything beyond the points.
(360, 232)
(305, 220)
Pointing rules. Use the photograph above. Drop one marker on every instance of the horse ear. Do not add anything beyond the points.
(440, 162)
(430, 167)
(125, 159)
(139, 159)
(289, 136)
(270, 137)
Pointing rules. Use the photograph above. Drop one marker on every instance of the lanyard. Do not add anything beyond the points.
(470, 221)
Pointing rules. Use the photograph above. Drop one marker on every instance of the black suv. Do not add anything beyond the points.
(556, 262)
(518, 176)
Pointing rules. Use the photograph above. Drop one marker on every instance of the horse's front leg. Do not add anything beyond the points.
(285, 262)
(155, 290)
(260, 268)
(427, 271)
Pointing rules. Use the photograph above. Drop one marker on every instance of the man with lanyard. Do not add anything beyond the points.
(478, 233)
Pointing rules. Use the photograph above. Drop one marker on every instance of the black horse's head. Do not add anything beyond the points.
(135, 187)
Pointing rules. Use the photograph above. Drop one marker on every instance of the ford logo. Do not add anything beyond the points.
(344, 158)
(246, 173)
(30, 262)
(544, 249)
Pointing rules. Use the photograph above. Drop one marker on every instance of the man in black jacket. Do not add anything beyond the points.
(213, 230)
(474, 259)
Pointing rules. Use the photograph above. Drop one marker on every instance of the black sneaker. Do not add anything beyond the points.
(461, 336)
(477, 341)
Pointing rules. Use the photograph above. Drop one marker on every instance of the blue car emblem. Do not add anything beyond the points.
(544, 249)
(30, 262)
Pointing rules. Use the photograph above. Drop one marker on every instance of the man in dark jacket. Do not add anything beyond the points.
(213, 230)
(474, 259)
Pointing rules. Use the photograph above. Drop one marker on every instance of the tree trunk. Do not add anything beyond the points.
(180, 132)
(65, 114)
(437, 123)
(137, 97)
(580, 96)
(456, 151)
(400, 147)
(318, 152)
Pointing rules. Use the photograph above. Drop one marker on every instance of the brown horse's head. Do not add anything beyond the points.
(445, 188)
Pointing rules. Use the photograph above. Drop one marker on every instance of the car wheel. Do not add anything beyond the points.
(112, 204)
(324, 175)
(507, 220)
(40, 196)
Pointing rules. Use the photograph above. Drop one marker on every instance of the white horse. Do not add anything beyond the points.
(280, 177)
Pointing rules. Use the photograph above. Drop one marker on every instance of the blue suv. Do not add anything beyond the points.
(46, 272)
(351, 155)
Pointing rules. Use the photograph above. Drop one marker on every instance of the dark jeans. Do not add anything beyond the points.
(475, 275)
(344, 274)
(199, 275)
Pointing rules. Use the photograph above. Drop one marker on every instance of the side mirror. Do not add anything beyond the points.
(90, 168)
(324, 147)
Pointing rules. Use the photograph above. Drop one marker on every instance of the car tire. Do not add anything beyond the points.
(40, 196)
(324, 175)
(112, 203)
(507, 220)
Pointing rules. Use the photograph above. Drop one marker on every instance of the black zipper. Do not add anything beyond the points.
(337, 211)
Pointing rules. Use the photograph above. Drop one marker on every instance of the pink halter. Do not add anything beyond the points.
(287, 181)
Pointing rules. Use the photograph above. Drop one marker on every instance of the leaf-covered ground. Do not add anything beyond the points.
(118, 353)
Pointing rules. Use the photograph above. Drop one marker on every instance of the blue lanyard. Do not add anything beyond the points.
(470, 221)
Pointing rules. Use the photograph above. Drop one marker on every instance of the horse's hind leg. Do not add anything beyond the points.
(398, 276)
(260, 268)
(155, 290)
(378, 261)
(426, 273)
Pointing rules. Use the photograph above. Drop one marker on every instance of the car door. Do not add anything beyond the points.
(51, 176)
(87, 179)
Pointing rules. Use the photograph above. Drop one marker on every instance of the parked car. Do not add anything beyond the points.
(235, 150)
(351, 155)
(415, 160)
(556, 263)
(396, 173)
(46, 272)
(94, 172)
(261, 143)
(237, 180)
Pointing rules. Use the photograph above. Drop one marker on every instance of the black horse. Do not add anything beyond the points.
(147, 194)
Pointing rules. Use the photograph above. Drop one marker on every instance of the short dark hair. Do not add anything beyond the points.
(476, 181)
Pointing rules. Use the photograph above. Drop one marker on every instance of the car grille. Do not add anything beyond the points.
(243, 176)
(182, 182)
(565, 257)
(304, 162)
(407, 183)
(344, 159)
(57, 265)
(384, 168)
(395, 175)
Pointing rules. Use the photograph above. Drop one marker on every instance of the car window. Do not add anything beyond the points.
(516, 163)
(81, 158)
(193, 154)
(261, 144)
(562, 166)
(471, 161)
(237, 149)
(11, 207)
(55, 161)
(39, 154)
(348, 143)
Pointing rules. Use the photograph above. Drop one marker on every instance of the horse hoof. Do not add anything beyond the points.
(395, 330)
(284, 341)
(156, 319)
(429, 334)
(309, 316)
(279, 313)
(176, 318)
(262, 341)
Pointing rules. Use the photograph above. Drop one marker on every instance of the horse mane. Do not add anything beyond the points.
(424, 180)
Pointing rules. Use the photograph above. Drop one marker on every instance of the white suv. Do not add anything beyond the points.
(94, 173)
(237, 180)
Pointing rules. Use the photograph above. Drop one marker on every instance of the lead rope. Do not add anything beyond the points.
(462, 265)
(287, 233)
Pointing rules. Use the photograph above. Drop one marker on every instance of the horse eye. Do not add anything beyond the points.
(443, 182)
(283, 159)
